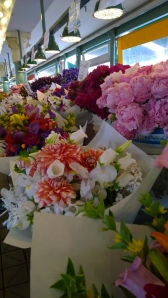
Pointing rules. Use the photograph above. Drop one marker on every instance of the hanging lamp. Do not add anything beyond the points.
(31, 63)
(25, 67)
(108, 12)
(40, 56)
(53, 47)
(6, 79)
(73, 36)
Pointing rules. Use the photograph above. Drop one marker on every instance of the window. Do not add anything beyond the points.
(148, 53)
(71, 62)
(96, 52)
(47, 72)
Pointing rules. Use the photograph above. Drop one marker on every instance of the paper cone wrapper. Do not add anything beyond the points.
(81, 115)
(57, 238)
(5, 164)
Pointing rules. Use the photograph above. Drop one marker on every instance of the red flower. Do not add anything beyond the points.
(155, 291)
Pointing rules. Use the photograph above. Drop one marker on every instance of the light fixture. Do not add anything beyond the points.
(31, 63)
(72, 36)
(1, 14)
(6, 79)
(109, 12)
(40, 56)
(12, 76)
(3, 21)
(53, 47)
(25, 67)
(7, 3)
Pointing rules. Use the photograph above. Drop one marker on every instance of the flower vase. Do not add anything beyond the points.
(151, 144)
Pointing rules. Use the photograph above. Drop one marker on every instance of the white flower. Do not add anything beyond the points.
(108, 156)
(99, 192)
(72, 209)
(78, 135)
(126, 161)
(56, 169)
(80, 170)
(53, 138)
(86, 188)
(124, 179)
(103, 174)
(58, 209)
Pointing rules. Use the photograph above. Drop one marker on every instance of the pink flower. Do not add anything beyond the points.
(159, 110)
(130, 115)
(162, 160)
(119, 93)
(160, 85)
(141, 86)
(166, 131)
(110, 80)
(56, 190)
(64, 152)
(23, 162)
(129, 135)
(136, 277)
(102, 101)
(148, 126)
(160, 67)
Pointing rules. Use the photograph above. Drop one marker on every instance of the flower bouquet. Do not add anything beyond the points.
(25, 130)
(63, 176)
(18, 89)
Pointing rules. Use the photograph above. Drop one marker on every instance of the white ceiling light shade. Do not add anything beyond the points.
(109, 9)
(1, 14)
(7, 3)
(3, 21)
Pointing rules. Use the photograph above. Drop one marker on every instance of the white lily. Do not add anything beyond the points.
(103, 174)
(126, 161)
(78, 135)
(72, 209)
(86, 189)
(53, 138)
(80, 170)
(124, 179)
(108, 156)
(56, 169)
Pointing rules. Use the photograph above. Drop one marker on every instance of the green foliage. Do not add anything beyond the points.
(145, 199)
(125, 232)
(19, 171)
(163, 143)
(128, 258)
(24, 153)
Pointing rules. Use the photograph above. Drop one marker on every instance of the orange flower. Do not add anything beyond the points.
(90, 157)
(64, 152)
(33, 168)
(56, 190)
(163, 239)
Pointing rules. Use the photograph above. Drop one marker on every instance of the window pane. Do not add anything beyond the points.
(47, 72)
(71, 62)
(148, 53)
(96, 52)
(93, 67)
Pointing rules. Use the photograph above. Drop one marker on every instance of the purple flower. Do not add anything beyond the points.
(34, 127)
(52, 115)
(18, 134)
(14, 109)
(2, 131)
(136, 277)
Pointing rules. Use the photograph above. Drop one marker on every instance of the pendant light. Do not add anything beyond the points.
(12, 76)
(109, 12)
(40, 56)
(31, 63)
(73, 36)
(53, 47)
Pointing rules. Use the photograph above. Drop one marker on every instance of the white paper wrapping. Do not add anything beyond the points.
(5, 164)
(56, 238)
(81, 115)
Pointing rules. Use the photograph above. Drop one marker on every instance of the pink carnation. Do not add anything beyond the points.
(129, 135)
(141, 86)
(130, 115)
(160, 85)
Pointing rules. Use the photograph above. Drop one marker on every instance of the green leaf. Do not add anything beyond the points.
(95, 291)
(105, 229)
(110, 222)
(70, 268)
(81, 272)
(101, 207)
(128, 259)
(153, 210)
(160, 224)
(92, 212)
(104, 293)
(163, 143)
(119, 245)
(145, 199)
(125, 232)
(145, 248)
(59, 285)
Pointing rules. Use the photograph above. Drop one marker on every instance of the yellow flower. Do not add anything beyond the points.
(118, 238)
(155, 222)
(90, 294)
(162, 210)
(136, 246)
(17, 119)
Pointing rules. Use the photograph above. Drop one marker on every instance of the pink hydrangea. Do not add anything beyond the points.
(129, 135)
(110, 80)
(158, 110)
(160, 67)
(141, 86)
(148, 126)
(120, 93)
(166, 131)
(160, 85)
(130, 115)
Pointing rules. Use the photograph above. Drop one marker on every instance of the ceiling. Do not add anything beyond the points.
(26, 14)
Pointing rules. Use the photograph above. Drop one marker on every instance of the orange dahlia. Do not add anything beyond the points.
(56, 190)
(64, 152)
(89, 158)
(33, 168)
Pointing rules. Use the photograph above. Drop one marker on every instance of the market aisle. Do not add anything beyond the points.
(14, 263)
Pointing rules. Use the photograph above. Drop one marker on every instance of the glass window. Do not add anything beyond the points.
(71, 62)
(148, 53)
(93, 67)
(96, 52)
(47, 72)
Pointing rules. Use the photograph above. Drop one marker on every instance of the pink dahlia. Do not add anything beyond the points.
(51, 191)
(64, 152)
(129, 135)
(160, 85)
(130, 115)
(141, 87)
(89, 158)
